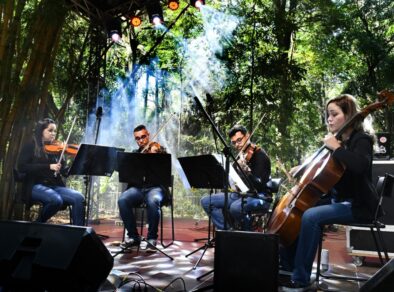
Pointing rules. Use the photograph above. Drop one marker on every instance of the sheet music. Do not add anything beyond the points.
(235, 180)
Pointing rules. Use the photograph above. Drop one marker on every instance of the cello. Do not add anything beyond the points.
(316, 176)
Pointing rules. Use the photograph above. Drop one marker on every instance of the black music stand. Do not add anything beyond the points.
(141, 170)
(203, 172)
(93, 160)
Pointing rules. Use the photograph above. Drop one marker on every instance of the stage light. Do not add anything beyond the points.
(115, 37)
(155, 12)
(197, 3)
(156, 19)
(173, 4)
(114, 29)
(135, 21)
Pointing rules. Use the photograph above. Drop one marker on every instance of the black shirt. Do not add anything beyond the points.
(355, 185)
(37, 169)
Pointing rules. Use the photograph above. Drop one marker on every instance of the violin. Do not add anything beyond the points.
(245, 156)
(153, 147)
(57, 147)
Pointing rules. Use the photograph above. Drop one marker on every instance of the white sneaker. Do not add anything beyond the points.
(151, 244)
(131, 243)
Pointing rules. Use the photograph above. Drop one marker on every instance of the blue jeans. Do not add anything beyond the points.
(238, 208)
(299, 256)
(53, 199)
(133, 197)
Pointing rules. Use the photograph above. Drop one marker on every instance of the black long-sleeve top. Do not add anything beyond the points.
(356, 183)
(260, 166)
(37, 170)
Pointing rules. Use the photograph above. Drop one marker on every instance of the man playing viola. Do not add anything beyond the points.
(257, 166)
(134, 196)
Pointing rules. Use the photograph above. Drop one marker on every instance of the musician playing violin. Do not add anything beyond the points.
(353, 198)
(134, 196)
(43, 182)
(256, 163)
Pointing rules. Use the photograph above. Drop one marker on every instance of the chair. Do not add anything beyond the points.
(260, 218)
(384, 188)
(19, 180)
(167, 202)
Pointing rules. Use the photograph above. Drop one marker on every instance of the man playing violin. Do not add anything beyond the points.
(43, 182)
(134, 196)
(257, 166)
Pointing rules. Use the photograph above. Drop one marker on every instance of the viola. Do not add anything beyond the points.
(316, 176)
(57, 147)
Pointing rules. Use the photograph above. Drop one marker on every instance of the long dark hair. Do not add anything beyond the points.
(347, 103)
(37, 136)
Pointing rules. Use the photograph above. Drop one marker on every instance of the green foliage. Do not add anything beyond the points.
(284, 60)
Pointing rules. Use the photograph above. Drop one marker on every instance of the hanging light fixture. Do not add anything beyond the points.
(114, 29)
(197, 3)
(155, 12)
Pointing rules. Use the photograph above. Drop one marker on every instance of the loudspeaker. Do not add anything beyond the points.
(382, 280)
(47, 257)
(246, 261)
(380, 168)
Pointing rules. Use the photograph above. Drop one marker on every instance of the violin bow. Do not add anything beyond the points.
(157, 132)
(250, 136)
(68, 138)
(283, 168)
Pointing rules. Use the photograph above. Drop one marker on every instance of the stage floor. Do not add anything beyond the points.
(160, 272)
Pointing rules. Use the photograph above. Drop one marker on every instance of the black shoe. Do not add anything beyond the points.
(292, 286)
(131, 243)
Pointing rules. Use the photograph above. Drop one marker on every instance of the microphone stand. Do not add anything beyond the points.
(227, 153)
(209, 112)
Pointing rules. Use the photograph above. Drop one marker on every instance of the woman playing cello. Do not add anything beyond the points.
(353, 198)
(43, 176)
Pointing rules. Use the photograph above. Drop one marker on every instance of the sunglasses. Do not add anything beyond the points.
(239, 140)
(140, 137)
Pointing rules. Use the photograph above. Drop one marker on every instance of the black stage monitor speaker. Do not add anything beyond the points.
(46, 257)
(382, 280)
(246, 261)
(380, 168)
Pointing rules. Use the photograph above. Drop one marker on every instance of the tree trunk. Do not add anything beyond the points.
(29, 96)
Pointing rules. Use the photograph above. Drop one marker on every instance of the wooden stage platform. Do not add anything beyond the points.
(156, 271)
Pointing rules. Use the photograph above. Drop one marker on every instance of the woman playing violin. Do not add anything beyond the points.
(353, 198)
(43, 176)
(256, 163)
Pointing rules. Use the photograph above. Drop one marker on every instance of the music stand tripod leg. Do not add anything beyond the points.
(143, 239)
(202, 254)
(88, 190)
(209, 242)
(122, 249)
(205, 274)
(209, 221)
